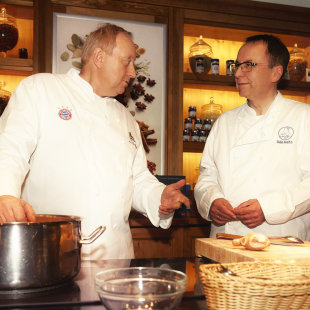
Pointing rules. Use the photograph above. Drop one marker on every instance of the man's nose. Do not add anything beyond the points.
(132, 71)
(238, 71)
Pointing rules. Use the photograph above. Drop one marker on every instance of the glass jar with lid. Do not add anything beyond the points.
(297, 64)
(4, 98)
(200, 56)
(8, 32)
(211, 111)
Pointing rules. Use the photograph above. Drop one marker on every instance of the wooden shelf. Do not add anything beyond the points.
(193, 147)
(16, 64)
(223, 82)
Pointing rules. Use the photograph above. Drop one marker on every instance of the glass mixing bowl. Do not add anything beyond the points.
(140, 288)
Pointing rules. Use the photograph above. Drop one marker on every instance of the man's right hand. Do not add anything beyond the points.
(13, 209)
(221, 212)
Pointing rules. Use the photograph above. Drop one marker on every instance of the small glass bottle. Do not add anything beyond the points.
(202, 136)
(206, 125)
(192, 112)
(228, 71)
(195, 136)
(186, 135)
(23, 53)
(198, 124)
(188, 124)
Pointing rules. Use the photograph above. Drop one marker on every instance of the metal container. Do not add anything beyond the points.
(41, 255)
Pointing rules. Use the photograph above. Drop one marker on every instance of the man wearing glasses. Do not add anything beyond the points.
(255, 168)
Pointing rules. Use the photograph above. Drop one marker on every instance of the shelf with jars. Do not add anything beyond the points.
(16, 44)
(199, 88)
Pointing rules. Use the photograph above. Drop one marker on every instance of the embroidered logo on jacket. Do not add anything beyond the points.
(65, 114)
(132, 139)
(286, 133)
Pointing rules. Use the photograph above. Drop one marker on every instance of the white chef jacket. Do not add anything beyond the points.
(260, 157)
(67, 151)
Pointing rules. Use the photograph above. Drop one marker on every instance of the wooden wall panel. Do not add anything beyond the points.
(157, 242)
(120, 6)
(110, 14)
(174, 128)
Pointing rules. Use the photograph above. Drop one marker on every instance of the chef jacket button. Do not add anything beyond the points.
(255, 178)
(114, 100)
(118, 120)
(97, 193)
(263, 135)
(236, 137)
(89, 133)
(261, 157)
(240, 118)
(122, 169)
(123, 142)
(121, 195)
(234, 177)
(229, 223)
(114, 226)
(273, 116)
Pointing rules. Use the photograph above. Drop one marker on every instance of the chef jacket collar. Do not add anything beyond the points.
(274, 103)
(75, 75)
(98, 106)
(262, 129)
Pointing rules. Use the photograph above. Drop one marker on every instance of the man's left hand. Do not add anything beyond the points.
(250, 213)
(172, 198)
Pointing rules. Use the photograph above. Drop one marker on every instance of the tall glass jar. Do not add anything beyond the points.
(200, 57)
(211, 111)
(4, 98)
(297, 64)
(8, 32)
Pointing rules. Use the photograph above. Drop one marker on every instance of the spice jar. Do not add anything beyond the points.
(192, 112)
(198, 124)
(4, 99)
(202, 136)
(8, 32)
(195, 136)
(186, 136)
(188, 124)
(200, 57)
(206, 125)
(297, 64)
(23, 53)
(211, 111)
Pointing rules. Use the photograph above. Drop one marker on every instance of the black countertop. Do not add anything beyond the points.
(80, 294)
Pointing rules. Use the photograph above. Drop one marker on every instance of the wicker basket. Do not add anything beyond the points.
(288, 287)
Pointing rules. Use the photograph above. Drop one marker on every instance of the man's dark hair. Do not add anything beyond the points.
(276, 50)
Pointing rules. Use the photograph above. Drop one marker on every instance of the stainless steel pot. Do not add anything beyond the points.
(43, 254)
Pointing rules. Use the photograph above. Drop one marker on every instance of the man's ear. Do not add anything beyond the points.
(277, 73)
(98, 57)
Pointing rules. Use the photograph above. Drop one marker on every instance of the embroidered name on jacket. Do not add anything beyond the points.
(65, 114)
(132, 139)
(285, 134)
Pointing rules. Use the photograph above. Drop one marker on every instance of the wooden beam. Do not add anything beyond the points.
(174, 128)
(120, 6)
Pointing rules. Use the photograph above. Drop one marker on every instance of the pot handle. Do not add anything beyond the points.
(93, 236)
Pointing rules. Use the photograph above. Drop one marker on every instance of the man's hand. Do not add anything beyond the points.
(221, 212)
(172, 198)
(13, 209)
(250, 213)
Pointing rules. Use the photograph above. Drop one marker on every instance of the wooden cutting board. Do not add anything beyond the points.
(223, 251)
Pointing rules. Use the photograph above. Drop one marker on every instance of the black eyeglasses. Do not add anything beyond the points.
(245, 66)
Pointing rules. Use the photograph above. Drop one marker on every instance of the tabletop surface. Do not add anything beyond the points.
(81, 294)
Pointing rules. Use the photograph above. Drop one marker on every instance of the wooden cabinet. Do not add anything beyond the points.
(177, 241)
